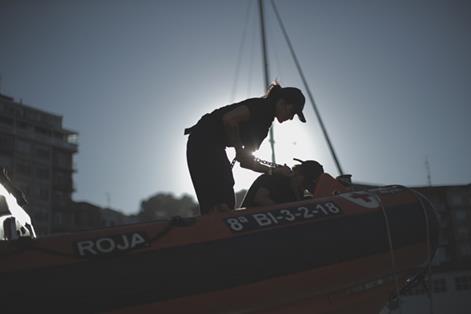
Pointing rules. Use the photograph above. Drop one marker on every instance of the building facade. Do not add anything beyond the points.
(448, 289)
(79, 216)
(38, 154)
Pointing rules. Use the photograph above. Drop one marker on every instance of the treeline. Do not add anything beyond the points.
(165, 205)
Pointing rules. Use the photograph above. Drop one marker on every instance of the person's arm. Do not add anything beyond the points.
(258, 167)
(231, 121)
(262, 198)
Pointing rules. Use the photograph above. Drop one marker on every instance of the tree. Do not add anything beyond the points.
(166, 205)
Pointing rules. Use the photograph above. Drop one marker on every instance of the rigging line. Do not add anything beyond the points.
(429, 251)
(266, 74)
(391, 251)
(272, 54)
(421, 198)
(252, 53)
(427, 269)
(311, 98)
(239, 56)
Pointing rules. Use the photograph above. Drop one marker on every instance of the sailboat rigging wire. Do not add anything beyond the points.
(266, 74)
(429, 249)
(427, 270)
(311, 98)
(391, 250)
(239, 56)
(250, 69)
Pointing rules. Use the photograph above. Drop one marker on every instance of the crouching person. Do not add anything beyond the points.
(276, 189)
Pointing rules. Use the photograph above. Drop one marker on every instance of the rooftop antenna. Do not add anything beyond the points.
(108, 200)
(429, 175)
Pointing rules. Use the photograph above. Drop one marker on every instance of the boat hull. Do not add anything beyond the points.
(321, 254)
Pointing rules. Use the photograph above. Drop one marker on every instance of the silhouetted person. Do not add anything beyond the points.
(244, 126)
(275, 189)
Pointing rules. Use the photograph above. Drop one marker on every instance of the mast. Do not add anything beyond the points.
(266, 76)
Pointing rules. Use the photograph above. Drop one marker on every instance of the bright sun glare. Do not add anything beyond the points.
(292, 140)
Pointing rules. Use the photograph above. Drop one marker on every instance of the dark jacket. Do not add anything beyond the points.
(278, 186)
(252, 132)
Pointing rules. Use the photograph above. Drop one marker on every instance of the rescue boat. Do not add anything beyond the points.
(342, 251)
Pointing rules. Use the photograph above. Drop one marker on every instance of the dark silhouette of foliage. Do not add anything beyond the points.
(166, 205)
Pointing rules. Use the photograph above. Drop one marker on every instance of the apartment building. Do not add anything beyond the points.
(38, 153)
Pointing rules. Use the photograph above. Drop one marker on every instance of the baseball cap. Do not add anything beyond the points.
(294, 96)
(311, 169)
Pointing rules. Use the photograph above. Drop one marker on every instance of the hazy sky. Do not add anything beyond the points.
(390, 78)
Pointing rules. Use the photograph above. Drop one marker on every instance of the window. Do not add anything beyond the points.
(462, 233)
(63, 160)
(460, 214)
(58, 218)
(42, 131)
(9, 109)
(32, 115)
(417, 290)
(439, 285)
(42, 152)
(440, 256)
(43, 193)
(61, 178)
(23, 168)
(58, 135)
(42, 173)
(23, 125)
(465, 249)
(60, 198)
(20, 112)
(41, 216)
(72, 139)
(456, 200)
(51, 120)
(463, 283)
(23, 146)
(6, 162)
(6, 121)
(7, 144)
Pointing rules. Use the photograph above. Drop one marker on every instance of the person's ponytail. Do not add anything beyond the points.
(274, 91)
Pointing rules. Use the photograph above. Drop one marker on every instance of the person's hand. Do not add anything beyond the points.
(282, 170)
(245, 158)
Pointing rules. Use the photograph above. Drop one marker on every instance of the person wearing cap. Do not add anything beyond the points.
(275, 189)
(243, 126)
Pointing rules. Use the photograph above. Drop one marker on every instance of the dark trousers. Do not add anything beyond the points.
(211, 172)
